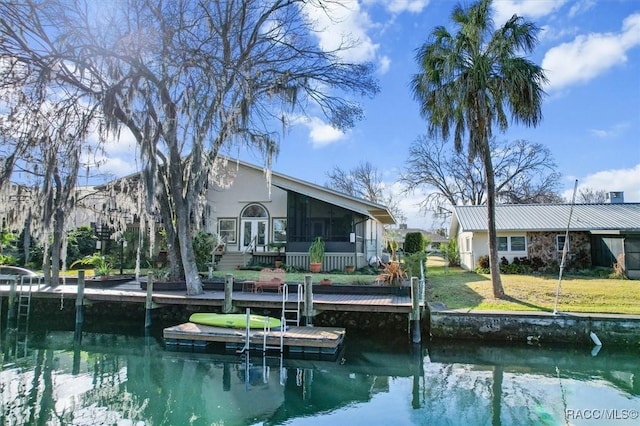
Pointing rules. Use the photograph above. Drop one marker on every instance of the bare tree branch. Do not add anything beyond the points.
(589, 195)
(364, 181)
(188, 78)
(524, 173)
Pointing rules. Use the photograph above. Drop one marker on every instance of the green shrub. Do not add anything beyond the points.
(81, 242)
(203, 245)
(483, 262)
(414, 242)
(536, 263)
(512, 268)
(412, 263)
(8, 260)
(451, 252)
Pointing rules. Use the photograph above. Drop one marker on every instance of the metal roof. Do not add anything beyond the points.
(553, 217)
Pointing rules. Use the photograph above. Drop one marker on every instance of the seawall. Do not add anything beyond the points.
(522, 327)
(538, 327)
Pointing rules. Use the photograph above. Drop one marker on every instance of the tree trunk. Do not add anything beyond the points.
(183, 230)
(194, 285)
(26, 246)
(498, 291)
(173, 252)
(56, 246)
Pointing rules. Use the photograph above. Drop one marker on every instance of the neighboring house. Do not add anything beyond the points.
(434, 239)
(251, 216)
(599, 233)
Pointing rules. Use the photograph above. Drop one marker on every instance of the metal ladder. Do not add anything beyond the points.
(22, 317)
(287, 317)
(286, 320)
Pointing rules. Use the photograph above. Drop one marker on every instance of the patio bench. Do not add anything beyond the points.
(269, 279)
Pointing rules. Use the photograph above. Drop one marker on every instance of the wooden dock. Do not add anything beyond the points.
(307, 340)
(132, 293)
(296, 339)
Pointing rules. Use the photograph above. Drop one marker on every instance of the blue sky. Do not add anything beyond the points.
(590, 50)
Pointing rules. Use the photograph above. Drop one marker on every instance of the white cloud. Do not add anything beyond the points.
(611, 132)
(320, 133)
(588, 56)
(118, 156)
(342, 22)
(627, 180)
(118, 166)
(581, 7)
(385, 64)
(549, 34)
(409, 205)
(399, 6)
(125, 144)
(533, 9)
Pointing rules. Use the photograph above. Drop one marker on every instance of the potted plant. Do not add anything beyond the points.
(316, 255)
(278, 247)
(349, 269)
(325, 281)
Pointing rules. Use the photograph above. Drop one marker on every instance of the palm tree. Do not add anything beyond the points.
(470, 81)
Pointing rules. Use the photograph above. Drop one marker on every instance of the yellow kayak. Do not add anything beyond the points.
(233, 320)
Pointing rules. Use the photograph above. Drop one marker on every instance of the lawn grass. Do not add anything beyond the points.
(459, 289)
(298, 277)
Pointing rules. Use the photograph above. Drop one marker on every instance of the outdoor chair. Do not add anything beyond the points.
(270, 279)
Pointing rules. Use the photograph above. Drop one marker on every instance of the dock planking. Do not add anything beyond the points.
(295, 338)
(131, 293)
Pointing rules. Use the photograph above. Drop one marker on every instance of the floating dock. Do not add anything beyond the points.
(295, 339)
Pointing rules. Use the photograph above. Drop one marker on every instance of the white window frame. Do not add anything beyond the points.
(276, 228)
(235, 228)
(509, 244)
(524, 238)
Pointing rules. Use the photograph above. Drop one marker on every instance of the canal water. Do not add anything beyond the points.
(130, 379)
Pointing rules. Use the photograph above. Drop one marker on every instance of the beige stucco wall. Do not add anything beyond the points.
(248, 186)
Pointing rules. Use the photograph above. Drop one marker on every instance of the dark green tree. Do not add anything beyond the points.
(81, 242)
(414, 242)
(471, 81)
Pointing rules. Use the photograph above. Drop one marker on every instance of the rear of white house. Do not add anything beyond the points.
(600, 234)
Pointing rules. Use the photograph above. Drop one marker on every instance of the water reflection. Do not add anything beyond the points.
(129, 379)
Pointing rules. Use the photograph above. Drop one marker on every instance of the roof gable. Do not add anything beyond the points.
(368, 208)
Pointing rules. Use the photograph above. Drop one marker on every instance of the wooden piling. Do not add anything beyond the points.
(11, 304)
(309, 311)
(227, 308)
(415, 310)
(148, 301)
(80, 299)
(79, 306)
